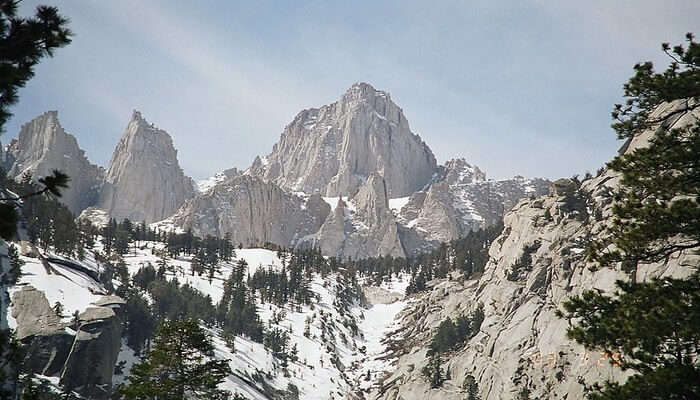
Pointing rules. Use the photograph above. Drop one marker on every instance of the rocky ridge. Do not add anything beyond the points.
(396, 200)
(253, 212)
(143, 182)
(368, 226)
(459, 201)
(361, 155)
(522, 346)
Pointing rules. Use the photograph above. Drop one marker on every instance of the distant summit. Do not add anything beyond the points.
(42, 146)
(349, 178)
(144, 181)
(332, 150)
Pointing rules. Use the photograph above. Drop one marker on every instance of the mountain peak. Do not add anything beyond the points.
(334, 149)
(364, 90)
(144, 180)
(459, 171)
(43, 145)
(138, 125)
(137, 116)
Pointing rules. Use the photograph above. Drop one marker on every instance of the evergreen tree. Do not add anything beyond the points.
(433, 372)
(471, 387)
(657, 212)
(179, 366)
(140, 322)
(445, 339)
(654, 325)
(58, 308)
(24, 42)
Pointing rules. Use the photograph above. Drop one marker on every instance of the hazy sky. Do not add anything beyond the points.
(516, 87)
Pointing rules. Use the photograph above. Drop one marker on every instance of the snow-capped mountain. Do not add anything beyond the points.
(334, 149)
(360, 149)
(359, 152)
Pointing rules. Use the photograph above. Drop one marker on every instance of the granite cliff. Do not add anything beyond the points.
(144, 181)
(42, 146)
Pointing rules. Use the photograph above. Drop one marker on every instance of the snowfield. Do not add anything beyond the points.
(332, 362)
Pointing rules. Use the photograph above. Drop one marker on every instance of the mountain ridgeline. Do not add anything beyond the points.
(349, 178)
(451, 291)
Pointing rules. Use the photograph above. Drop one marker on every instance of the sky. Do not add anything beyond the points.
(515, 87)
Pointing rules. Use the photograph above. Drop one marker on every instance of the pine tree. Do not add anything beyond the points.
(433, 372)
(471, 387)
(58, 308)
(75, 321)
(179, 366)
(656, 214)
(654, 325)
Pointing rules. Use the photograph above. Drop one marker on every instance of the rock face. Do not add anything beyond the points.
(366, 226)
(522, 345)
(332, 150)
(6, 158)
(42, 146)
(90, 365)
(144, 181)
(253, 212)
(84, 360)
(459, 201)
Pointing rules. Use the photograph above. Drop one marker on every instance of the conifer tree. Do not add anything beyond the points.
(656, 214)
(471, 387)
(180, 366)
(433, 372)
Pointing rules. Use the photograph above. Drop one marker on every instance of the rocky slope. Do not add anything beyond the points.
(460, 200)
(382, 182)
(521, 346)
(253, 212)
(79, 354)
(332, 150)
(42, 146)
(144, 181)
(365, 227)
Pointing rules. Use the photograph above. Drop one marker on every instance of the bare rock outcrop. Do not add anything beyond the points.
(364, 227)
(332, 150)
(253, 212)
(521, 346)
(459, 201)
(84, 360)
(89, 367)
(42, 146)
(144, 181)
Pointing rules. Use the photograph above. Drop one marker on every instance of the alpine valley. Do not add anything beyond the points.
(321, 271)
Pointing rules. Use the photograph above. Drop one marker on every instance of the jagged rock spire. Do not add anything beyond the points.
(42, 146)
(144, 181)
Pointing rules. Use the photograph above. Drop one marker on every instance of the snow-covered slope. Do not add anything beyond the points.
(333, 362)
